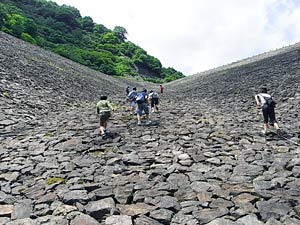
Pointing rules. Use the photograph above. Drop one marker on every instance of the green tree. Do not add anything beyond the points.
(47, 8)
(16, 24)
(68, 15)
(111, 48)
(124, 68)
(87, 23)
(3, 15)
(28, 38)
(63, 30)
(139, 56)
(120, 32)
(100, 29)
(56, 37)
(31, 27)
(128, 48)
(171, 74)
(110, 38)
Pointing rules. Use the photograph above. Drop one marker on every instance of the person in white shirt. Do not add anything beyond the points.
(154, 100)
(267, 104)
(131, 99)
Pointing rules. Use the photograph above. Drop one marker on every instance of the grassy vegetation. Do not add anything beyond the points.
(54, 180)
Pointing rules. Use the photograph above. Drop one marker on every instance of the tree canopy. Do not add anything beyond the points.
(63, 30)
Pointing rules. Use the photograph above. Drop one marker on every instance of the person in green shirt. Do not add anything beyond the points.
(104, 109)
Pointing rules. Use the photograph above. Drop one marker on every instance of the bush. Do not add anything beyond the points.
(28, 38)
(153, 80)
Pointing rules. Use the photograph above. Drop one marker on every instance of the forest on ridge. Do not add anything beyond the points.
(63, 30)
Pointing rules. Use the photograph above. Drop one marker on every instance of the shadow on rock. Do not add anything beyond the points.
(111, 135)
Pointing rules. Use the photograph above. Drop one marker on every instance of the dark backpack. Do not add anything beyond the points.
(140, 97)
(270, 102)
(154, 95)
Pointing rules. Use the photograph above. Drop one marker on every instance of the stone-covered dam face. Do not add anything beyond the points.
(202, 160)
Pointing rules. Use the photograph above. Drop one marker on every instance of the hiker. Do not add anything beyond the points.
(127, 91)
(154, 100)
(142, 102)
(131, 97)
(267, 104)
(104, 110)
(161, 89)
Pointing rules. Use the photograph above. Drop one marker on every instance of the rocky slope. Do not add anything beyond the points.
(35, 83)
(202, 160)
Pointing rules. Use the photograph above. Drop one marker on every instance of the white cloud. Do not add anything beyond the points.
(195, 35)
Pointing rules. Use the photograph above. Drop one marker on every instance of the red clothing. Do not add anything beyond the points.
(161, 89)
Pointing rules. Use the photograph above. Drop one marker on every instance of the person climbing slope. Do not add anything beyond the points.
(161, 88)
(131, 97)
(127, 90)
(267, 105)
(143, 106)
(154, 100)
(104, 109)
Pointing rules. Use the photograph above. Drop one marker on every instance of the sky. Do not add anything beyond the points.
(196, 35)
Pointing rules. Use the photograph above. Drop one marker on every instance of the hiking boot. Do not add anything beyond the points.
(139, 124)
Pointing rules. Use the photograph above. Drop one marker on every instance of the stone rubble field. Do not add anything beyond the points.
(202, 161)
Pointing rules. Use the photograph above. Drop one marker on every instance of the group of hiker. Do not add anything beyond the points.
(142, 103)
(139, 104)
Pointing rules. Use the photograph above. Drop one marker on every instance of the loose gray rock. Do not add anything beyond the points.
(136, 209)
(273, 221)
(84, 220)
(22, 209)
(26, 221)
(249, 220)
(98, 209)
(6, 210)
(207, 215)
(4, 220)
(273, 209)
(222, 221)
(204, 163)
(164, 216)
(144, 220)
(76, 196)
(119, 220)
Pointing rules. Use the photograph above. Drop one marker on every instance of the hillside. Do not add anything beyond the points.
(62, 29)
(36, 83)
(202, 160)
